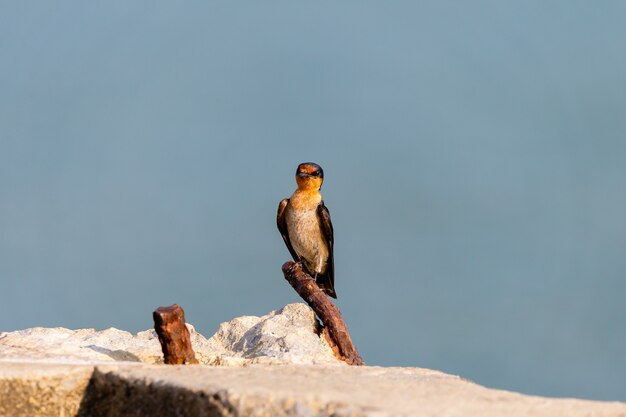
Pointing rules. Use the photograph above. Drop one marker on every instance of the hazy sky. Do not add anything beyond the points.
(474, 154)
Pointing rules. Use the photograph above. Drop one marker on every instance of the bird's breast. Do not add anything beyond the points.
(306, 237)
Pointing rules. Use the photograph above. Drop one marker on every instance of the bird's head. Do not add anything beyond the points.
(309, 176)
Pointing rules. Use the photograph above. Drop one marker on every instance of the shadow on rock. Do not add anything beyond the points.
(118, 355)
(109, 395)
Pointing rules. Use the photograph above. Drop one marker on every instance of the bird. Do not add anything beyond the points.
(304, 223)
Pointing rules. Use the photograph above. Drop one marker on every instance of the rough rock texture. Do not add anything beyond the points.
(128, 389)
(285, 336)
(60, 372)
(41, 390)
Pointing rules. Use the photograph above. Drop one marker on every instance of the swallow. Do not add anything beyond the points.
(304, 223)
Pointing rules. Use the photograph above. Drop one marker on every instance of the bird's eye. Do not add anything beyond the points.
(316, 174)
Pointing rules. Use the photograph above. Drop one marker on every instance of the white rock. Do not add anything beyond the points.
(126, 388)
(285, 336)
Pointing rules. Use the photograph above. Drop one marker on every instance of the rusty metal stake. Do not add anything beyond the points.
(334, 325)
(169, 323)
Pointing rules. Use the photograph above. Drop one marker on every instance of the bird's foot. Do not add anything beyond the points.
(295, 265)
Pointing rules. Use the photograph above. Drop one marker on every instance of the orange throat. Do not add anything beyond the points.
(305, 199)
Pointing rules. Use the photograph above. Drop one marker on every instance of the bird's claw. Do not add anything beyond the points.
(294, 266)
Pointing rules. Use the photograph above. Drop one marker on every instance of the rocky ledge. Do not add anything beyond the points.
(281, 368)
(285, 336)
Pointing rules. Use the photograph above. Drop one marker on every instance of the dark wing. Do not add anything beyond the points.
(327, 230)
(281, 222)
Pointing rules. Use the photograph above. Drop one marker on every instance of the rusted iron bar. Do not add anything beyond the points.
(332, 321)
(169, 323)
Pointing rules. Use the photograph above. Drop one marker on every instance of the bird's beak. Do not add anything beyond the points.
(303, 175)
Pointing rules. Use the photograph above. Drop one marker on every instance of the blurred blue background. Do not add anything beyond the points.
(475, 161)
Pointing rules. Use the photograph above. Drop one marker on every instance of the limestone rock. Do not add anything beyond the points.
(60, 345)
(124, 389)
(99, 373)
(285, 336)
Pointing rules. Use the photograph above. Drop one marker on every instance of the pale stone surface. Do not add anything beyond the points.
(42, 390)
(61, 372)
(127, 389)
(285, 336)
(79, 346)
